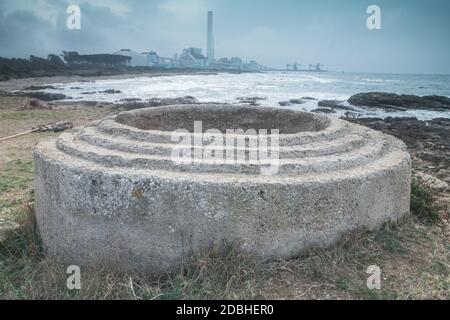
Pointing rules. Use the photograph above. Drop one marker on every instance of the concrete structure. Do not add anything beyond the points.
(137, 59)
(236, 61)
(153, 58)
(109, 193)
(192, 57)
(210, 37)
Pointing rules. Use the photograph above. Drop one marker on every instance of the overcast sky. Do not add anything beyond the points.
(414, 37)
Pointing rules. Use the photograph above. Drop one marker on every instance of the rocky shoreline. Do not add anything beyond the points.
(428, 141)
(370, 101)
(359, 105)
(385, 101)
(40, 83)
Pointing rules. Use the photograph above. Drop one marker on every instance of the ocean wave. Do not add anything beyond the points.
(275, 86)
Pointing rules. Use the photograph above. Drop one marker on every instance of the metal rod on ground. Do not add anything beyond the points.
(56, 127)
(18, 135)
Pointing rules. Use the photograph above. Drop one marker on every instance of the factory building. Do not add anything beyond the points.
(152, 58)
(137, 59)
(193, 57)
(190, 57)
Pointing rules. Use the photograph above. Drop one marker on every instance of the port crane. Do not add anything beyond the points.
(295, 66)
(318, 67)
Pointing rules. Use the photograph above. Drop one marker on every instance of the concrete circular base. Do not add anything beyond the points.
(110, 193)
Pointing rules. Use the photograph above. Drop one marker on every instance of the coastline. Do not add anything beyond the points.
(22, 83)
(333, 94)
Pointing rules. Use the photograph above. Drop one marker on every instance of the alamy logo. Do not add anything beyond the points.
(74, 278)
(374, 281)
(374, 20)
(235, 147)
(73, 21)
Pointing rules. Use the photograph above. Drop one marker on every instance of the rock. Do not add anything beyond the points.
(37, 88)
(432, 182)
(157, 102)
(441, 121)
(323, 110)
(130, 104)
(130, 100)
(296, 101)
(334, 104)
(111, 91)
(56, 127)
(445, 101)
(399, 102)
(35, 104)
(90, 103)
(309, 98)
(329, 103)
(44, 96)
(284, 103)
(351, 114)
(392, 119)
(427, 141)
(250, 100)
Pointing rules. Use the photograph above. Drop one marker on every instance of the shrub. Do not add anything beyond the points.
(423, 205)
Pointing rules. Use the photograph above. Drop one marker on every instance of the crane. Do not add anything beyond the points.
(318, 66)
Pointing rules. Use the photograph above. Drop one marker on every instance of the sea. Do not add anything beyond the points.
(272, 87)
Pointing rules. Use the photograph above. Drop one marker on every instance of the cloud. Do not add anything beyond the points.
(16, 32)
(39, 31)
(184, 10)
(273, 32)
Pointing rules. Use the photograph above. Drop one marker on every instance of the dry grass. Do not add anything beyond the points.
(25, 273)
(414, 261)
(413, 255)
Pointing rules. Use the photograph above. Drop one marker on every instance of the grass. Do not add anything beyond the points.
(337, 272)
(31, 115)
(25, 273)
(413, 256)
(16, 174)
(390, 241)
(422, 203)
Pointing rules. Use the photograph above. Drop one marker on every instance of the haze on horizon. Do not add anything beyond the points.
(414, 37)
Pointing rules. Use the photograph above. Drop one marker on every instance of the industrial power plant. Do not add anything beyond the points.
(190, 57)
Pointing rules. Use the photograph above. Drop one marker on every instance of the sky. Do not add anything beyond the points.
(414, 35)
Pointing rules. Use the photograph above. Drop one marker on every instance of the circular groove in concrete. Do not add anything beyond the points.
(110, 192)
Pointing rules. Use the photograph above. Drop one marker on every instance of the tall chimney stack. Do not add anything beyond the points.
(210, 37)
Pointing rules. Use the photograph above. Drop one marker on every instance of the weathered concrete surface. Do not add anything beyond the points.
(110, 194)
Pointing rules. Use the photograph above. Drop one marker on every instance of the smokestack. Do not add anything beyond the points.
(210, 37)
